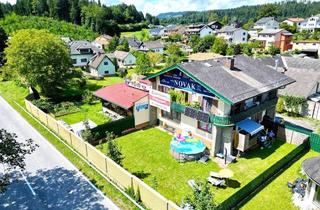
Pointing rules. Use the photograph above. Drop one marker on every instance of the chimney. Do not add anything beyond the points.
(228, 62)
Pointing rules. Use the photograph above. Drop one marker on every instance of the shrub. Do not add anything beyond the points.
(65, 108)
(114, 152)
(87, 97)
(44, 105)
(201, 200)
(280, 105)
(293, 104)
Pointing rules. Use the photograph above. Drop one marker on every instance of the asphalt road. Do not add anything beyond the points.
(50, 181)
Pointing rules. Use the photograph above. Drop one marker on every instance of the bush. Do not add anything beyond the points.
(280, 105)
(44, 105)
(65, 108)
(293, 104)
(114, 152)
(87, 97)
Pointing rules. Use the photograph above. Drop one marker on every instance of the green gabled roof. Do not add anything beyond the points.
(176, 66)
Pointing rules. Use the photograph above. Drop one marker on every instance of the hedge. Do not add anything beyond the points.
(117, 127)
(245, 192)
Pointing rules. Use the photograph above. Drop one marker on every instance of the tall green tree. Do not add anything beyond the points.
(39, 59)
(62, 8)
(143, 64)
(114, 152)
(220, 46)
(75, 12)
(124, 45)
(268, 10)
(12, 155)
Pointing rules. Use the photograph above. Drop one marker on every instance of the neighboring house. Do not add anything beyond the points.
(168, 30)
(311, 24)
(156, 32)
(81, 52)
(306, 72)
(100, 66)
(102, 41)
(278, 37)
(310, 48)
(234, 96)
(134, 44)
(311, 169)
(233, 35)
(202, 30)
(266, 23)
(294, 21)
(152, 46)
(124, 59)
(215, 25)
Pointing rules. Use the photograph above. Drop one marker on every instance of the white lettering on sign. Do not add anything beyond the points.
(160, 100)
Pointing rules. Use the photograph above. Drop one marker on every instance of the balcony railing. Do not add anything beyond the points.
(254, 110)
(225, 121)
(214, 119)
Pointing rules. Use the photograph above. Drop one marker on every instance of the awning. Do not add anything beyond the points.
(250, 126)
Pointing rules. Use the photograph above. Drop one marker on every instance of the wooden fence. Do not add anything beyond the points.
(150, 198)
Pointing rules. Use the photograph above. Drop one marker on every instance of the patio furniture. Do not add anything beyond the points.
(192, 183)
(231, 158)
(204, 159)
(215, 175)
(216, 182)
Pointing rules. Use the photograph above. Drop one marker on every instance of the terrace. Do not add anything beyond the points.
(146, 155)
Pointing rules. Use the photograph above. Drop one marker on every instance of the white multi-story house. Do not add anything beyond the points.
(311, 24)
(81, 52)
(310, 48)
(278, 37)
(202, 30)
(124, 59)
(233, 35)
(293, 21)
(266, 23)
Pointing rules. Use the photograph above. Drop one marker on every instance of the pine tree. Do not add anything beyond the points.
(114, 152)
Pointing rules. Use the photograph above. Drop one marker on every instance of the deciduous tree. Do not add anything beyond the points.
(40, 59)
(12, 155)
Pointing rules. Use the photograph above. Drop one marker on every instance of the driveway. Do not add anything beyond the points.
(50, 181)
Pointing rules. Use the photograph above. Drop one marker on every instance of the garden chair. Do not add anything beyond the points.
(204, 159)
(215, 175)
(216, 182)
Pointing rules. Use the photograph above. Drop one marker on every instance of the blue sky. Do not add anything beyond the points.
(158, 6)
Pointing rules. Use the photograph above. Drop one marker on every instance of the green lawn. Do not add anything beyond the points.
(147, 155)
(92, 112)
(94, 85)
(14, 93)
(138, 34)
(277, 190)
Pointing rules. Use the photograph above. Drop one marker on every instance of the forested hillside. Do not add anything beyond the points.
(243, 14)
(90, 14)
(12, 23)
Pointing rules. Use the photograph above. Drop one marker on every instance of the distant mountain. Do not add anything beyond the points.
(171, 15)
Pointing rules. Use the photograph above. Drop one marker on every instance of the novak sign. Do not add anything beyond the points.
(160, 100)
(178, 79)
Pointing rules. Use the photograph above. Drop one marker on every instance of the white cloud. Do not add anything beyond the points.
(9, 1)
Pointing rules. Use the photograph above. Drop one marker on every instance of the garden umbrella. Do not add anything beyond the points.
(226, 173)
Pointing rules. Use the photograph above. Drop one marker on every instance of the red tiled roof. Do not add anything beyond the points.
(121, 95)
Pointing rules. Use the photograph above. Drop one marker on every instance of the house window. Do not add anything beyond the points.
(244, 33)
(243, 39)
(74, 61)
(207, 104)
(106, 72)
(207, 127)
(84, 60)
(106, 63)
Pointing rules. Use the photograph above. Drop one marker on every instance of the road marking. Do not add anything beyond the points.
(25, 179)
